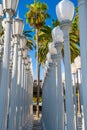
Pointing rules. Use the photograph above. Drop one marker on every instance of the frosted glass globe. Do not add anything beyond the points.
(65, 10)
(57, 34)
(10, 5)
(52, 49)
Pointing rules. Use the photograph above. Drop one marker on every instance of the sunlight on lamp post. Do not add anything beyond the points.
(65, 12)
(54, 68)
(78, 67)
(1, 16)
(18, 26)
(57, 36)
(1, 43)
(82, 13)
(19, 82)
(73, 71)
(9, 9)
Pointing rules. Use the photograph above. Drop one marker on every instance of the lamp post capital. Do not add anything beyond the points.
(58, 45)
(65, 25)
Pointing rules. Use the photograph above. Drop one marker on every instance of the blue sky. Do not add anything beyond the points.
(51, 10)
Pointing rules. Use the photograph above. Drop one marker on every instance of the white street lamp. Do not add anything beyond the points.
(57, 36)
(25, 52)
(54, 68)
(25, 85)
(82, 9)
(23, 42)
(19, 82)
(73, 71)
(24, 55)
(26, 90)
(65, 12)
(9, 8)
(17, 25)
(1, 15)
(1, 11)
(49, 57)
(1, 43)
(52, 49)
(78, 67)
(51, 88)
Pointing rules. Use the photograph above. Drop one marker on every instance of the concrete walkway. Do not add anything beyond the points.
(36, 124)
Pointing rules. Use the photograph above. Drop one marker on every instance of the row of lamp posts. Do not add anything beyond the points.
(58, 38)
(16, 79)
(53, 111)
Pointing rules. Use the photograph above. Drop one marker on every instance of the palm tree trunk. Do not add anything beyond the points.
(38, 75)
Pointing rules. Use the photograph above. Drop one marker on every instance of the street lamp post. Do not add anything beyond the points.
(65, 16)
(25, 52)
(22, 46)
(82, 8)
(1, 44)
(18, 100)
(28, 89)
(9, 10)
(17, 31)
(57, 36)
(1, 56)
(50, 94)
(1, 16)
(25, 86)
(56, 57)
(78, 67)
(80, 90)
(24, 55)
(73, 70)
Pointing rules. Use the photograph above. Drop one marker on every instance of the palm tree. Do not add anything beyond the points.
(30, 43)
(45, 38)
(36, 17)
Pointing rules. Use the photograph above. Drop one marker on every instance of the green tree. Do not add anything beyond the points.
(36, 17)
(30, 42)
(45, 38)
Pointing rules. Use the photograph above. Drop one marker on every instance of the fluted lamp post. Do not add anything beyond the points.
(1, 44)
(9, 8)
(57, 36)
(23, 41)
(24, 53)
(19, 85)
(18, 26)
(55, 82)
(78, 67)
(25, 91)
(82, 9)
(73, 71)
(65, 12)
(1, 16)
(48, 95)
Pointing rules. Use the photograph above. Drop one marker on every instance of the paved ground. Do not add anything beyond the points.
(36, 125)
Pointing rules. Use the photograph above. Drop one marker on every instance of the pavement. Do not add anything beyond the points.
(36, 123)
